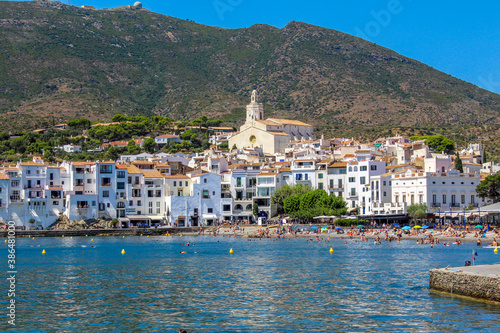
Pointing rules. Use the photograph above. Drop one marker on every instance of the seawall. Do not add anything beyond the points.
(482, 282)
(103, 232)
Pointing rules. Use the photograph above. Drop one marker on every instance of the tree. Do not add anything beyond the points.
(255, 210)
(133, 148)
(118, 118)
(234, 147)
(112, 154)
(458, 164)
(490, 188)
(149, 145)
(417, 211)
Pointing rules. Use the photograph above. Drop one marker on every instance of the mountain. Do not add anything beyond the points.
(59, 61)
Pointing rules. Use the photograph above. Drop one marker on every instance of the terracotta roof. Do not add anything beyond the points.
(162, 165)
(176, 177)
(56, 188)
(3, 176)
(166, 136)
(349, 155)
(32, 164)
(151, 174)
(121, 166)
(285, 169)
(267, 174)
(268, 122)
(289, 122)
(81, 163)
(132, 169)
(338, 165)
(222, 128)
(363, 151)
(142, 163)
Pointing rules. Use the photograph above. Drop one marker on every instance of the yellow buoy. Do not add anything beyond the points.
(5, 241)
(141, 234)
(231, 251)
(147, 236)
(33, 238)
(123, 236)
(331, 250)
(43, 251)
(92, 240)
(63, 235)
(123, 251)
(495, 250)
(181, 235)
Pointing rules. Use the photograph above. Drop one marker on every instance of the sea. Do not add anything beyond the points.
(160, 284)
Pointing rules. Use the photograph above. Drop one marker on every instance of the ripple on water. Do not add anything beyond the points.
(279, 286)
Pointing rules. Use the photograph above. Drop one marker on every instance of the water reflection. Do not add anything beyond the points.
(286, 285)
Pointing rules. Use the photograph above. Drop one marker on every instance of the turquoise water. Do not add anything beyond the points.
(264, 286)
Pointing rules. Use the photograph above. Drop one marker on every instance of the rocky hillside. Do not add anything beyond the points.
(59, 61)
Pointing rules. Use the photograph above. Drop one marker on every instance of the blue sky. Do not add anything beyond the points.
(461, 38)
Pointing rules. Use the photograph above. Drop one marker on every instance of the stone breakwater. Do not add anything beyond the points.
(481, 282)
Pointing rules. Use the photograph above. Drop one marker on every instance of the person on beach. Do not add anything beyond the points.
(478, 242)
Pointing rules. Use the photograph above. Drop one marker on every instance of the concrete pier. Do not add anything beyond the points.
(106, 232)
(481, 281)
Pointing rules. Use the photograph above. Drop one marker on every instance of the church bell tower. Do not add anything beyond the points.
(255, 110)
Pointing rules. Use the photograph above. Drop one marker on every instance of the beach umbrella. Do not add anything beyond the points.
(406, 228)
(324, 228)
(314, 227)
(425, 226)
(338, 228)
(478, 226)
(361, 226)
(417, 227)
(295, 226)
(395, 224)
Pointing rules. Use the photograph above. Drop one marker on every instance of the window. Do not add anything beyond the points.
(320, 176)
(463, 199)
(108, 205)
(131, 203)
(384, 183)
(150, 210)
(363, 168)
(139, 203)
(362, 180)
(434, 199)
(94, 203)
(51, 176)
(350, 169)
(355, 168)
(55, 203)
(186, 183)
(106, 169)
(210, 210)
(205, 180)
(175, 183)
(373, 167)
(158, 204)
(453, 199)
(472, 199)
(238, 181)
(120, 174)
(352, 179)
(158, 211)
(120, 185)
(89, 181)
(320, 186)
(226, 208)
(385, 194)
(444, 198)
(105, 194)
(150, 204)
(353, 191)
(205, 194)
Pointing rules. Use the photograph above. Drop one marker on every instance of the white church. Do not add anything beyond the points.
(271, 134)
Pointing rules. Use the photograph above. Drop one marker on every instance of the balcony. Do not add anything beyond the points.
(136, 185)
(106, 184)
(15, 199)
(335, 188)
(436, 204)
(455, 204)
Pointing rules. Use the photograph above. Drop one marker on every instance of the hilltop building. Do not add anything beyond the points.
(271, 134)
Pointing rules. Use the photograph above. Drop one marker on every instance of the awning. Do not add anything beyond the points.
(156, 217)
(181, 216)
(137, 217)
(209, 216)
